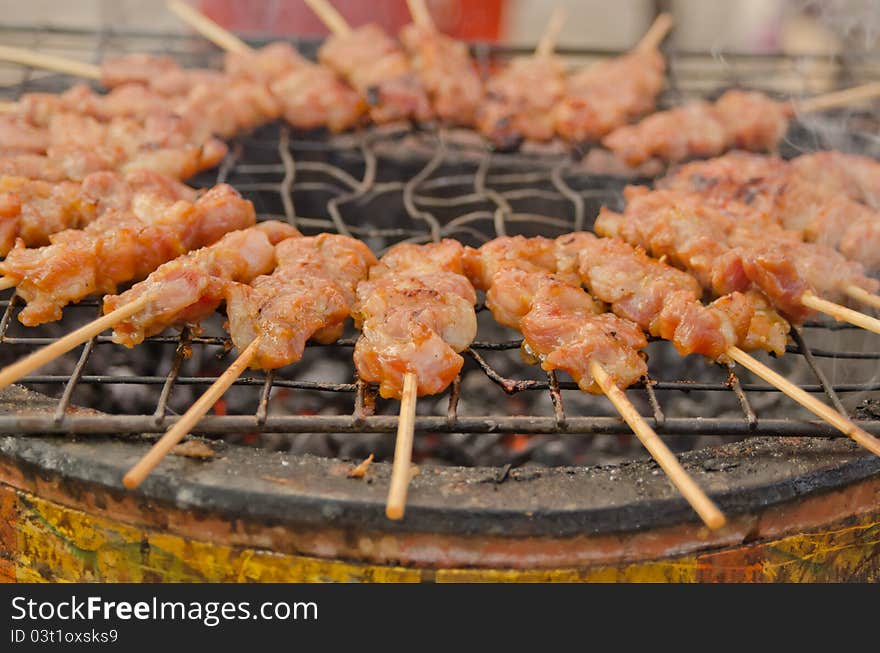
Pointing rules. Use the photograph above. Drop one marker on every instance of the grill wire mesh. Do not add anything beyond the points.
(393, 184)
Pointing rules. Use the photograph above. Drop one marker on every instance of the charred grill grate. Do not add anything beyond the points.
(391, 184)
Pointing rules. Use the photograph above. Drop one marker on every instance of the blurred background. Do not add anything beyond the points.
(761, 26)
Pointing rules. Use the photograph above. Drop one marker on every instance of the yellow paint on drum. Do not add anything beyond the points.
(45, 541)
(56, 543)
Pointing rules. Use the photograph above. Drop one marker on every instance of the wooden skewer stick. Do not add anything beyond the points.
(702, 504)
(329, 16)
(838, 421)
(6, 282)
(862, 295)
(219, 36)
(136, 475)
(49, 62)
(8, 107)
(400, 475)
(841, 313)
(656, 33)
(548, 39)
(12, 373)
(838, 98)
(420, 14)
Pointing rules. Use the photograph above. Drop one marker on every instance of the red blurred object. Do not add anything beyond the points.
(478, 20)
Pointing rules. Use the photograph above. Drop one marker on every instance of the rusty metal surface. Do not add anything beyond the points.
(84, 538)
(306, 491)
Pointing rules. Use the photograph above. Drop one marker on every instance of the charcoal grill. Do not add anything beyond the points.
(781, 473)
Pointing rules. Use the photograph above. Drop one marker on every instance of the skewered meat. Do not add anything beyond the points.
(416, 313)
(19, 137)
(188, 288)
(135, 68)
(561, 324)
(160, 74)
(858, 177)
(609, 94)
(236, 105)
(76, 163)
(310, 95)
(35, 209)
(446, 71)
(133, 101)
(313, 96)
(743, 119)
(264, 65)
(665, 301)
(33, 166)
(118, 247)
(729, 250)
(812, 209)
(308, 297)
(682, 230)
(529, 254)
(379, 70)
(520, 101)
(78, 145)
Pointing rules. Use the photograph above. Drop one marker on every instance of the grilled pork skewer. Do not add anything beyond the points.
(664, 302)
(308, 296)
(794, 198)
(724, 256)
(32, 210)
(181, 291)
(520, 100)
(747, 120)
(311, 95)
(118, 247)
(257, 86)
(444, 67)
(76, 145)
(185, 290)
(416, 313)
(854, 175)
(564, 328)
(374, 65)
(611, 93)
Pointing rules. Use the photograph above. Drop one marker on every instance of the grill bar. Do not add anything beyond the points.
(214, 424)
(171, 378)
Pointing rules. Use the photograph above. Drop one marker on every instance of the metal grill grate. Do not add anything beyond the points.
(393, 184)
